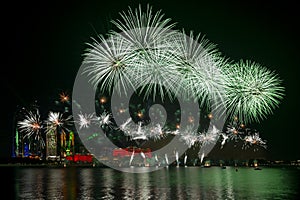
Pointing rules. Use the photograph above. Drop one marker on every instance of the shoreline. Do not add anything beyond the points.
(45, 165)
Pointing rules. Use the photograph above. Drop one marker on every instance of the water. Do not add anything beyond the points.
(168, 183)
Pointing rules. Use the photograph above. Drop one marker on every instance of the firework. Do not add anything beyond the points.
(32, 126)
(57, 120)
(235, 132)
(177, 158)
(148, 56)
(125, 126)
(85, 120)
(104, 119)
(189, 136)
(252, 91)
(131, 157)
(254, 141)
(108, 62)
(224, 139)
(158, 74)
(137, 133)
(199, 64)
(64, 97)
(209, 136)
(155, 132)
(144, 31)
(113, 61)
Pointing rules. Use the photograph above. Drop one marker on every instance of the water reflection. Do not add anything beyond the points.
(166, 183)
(87, 183)
(53, 182)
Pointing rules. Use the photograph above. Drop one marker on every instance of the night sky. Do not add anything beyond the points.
(44, 43)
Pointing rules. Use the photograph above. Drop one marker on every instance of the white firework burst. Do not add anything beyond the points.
(189, 136)
(200, 67)
(104, 119)
(210, 136)
(154, 132)
(254, 141)
(144, 30)
(234, 133)
(108, 63)
(85, 120)
(32, 126)
(126, 125)
(158, 74)
(224, 139)
(138, 133)
(57, 120)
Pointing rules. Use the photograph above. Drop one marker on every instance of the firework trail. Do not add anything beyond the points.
(166, 158)
(185, 159)
(138, 133)
(201, 157)
(124, 127)
(131, 157)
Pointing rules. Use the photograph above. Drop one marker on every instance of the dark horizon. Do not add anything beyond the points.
(45, 42)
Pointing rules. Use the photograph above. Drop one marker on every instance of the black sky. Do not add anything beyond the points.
(44, 43)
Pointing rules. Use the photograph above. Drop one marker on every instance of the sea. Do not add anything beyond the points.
(35, 182)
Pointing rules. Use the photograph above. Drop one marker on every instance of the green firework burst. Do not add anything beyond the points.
(252, 90)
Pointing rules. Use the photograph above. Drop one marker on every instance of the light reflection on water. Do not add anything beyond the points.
(167, 183)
